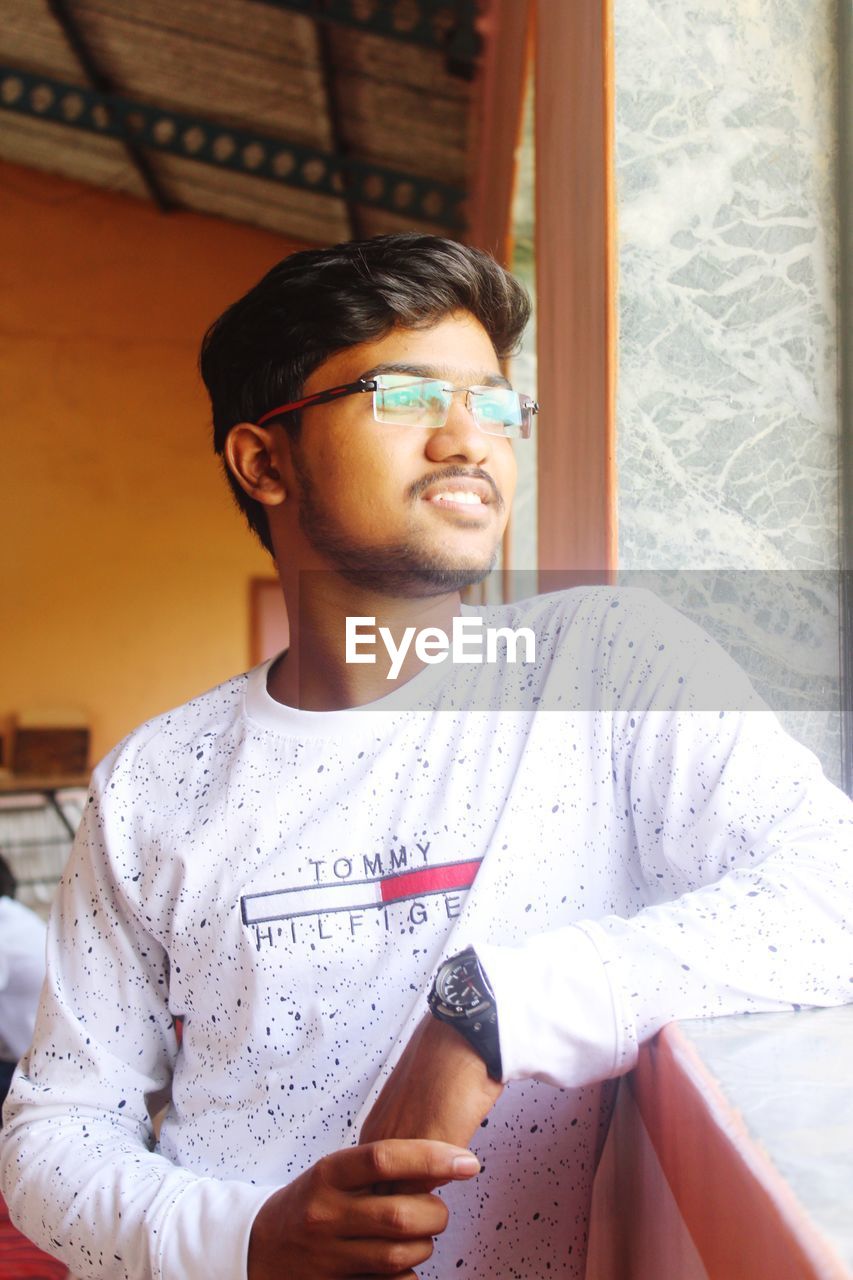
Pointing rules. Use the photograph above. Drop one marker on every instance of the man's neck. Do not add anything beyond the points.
(315, 674)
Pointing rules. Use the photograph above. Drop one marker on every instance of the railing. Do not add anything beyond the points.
(730, 1155)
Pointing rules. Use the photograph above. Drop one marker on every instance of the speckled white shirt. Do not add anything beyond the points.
(287, 882)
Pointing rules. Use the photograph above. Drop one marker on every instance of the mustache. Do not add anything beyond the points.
(456, 473)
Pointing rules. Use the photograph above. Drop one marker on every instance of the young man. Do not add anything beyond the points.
(375, 903)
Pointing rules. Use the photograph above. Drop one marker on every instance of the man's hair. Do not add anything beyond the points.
(261, 350)
(8, 883)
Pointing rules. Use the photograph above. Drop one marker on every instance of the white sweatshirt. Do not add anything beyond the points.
(287, 882)
(22, 935)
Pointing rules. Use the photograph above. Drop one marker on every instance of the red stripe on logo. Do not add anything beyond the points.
(455, 875)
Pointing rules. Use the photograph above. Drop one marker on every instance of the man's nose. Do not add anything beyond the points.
(460, 436)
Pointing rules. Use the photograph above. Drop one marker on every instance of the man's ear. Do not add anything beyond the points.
(251, 456)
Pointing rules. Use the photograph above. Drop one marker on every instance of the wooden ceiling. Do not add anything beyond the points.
(349, 118)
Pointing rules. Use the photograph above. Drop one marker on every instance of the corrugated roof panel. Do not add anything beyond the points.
(301, 215)
(402, 128)
(389, 62)
(235, 24)
(82, 156)
(277, 88)
(255, 66)
(376, 222)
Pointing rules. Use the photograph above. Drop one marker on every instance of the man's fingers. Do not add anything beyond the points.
(395, 1217)
(407, 1188)
(403, 1275)
(398, 1160)
(384, 1257)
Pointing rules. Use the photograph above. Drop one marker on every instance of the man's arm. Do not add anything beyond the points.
(76, 1161)
(364, 1211)
(745, 851)
(752, 846)
(440, 1087)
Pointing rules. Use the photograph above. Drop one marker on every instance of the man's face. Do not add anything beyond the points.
(402, 510)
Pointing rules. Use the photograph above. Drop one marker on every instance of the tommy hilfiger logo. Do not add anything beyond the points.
(357, 895)
(276, 911)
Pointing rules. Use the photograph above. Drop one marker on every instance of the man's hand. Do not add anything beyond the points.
(439, 1089)
(331, 1222)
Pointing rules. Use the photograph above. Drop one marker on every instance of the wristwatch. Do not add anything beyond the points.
(462, 997)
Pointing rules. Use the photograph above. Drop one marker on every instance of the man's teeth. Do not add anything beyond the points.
(459, 496)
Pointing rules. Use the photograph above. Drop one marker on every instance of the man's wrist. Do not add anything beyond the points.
(463, 1000)
(468, 1068)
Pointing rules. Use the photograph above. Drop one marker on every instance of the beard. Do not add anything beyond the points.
(392, 569)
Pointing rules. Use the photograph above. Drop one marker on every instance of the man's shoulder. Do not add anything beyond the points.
(165, 739)
(624, 648)
(584, 608)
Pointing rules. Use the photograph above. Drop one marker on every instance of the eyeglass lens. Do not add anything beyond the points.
(424, 402)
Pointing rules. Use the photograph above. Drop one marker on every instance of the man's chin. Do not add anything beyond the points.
(396, 569)
(408, 568)
(415, 580)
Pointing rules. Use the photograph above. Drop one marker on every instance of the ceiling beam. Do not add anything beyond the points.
(575, 291)
(99, 80)
(207, 142)
(336, 124)
(448, 25)
(498, 107)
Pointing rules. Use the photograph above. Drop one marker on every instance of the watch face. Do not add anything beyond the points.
(460, 985)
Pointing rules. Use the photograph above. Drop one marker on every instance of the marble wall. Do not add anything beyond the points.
(728, 420)
(728, 438)
(728, 416)
(725, 168)
(727, 412)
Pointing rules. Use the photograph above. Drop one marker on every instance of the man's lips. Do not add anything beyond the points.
(461, 492)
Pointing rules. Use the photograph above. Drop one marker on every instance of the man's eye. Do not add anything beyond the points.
(403, 398)
(494, 408)
(501, 407)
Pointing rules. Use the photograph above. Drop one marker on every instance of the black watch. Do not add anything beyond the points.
(462, 997)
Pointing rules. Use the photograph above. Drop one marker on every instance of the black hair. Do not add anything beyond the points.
(261, 350)
(8, 883)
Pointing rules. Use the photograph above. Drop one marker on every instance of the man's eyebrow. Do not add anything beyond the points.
(456, 377)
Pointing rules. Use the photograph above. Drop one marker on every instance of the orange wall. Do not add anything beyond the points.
(125, 567)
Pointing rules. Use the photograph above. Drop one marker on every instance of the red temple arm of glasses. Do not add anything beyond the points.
(319, 397)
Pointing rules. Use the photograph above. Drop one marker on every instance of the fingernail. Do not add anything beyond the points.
(466, 1165)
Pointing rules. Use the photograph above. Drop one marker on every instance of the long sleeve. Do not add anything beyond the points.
(77, 1165)
(742, 854)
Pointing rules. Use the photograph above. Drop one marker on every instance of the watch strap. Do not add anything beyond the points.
(483, 1038)
(479, 1028)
